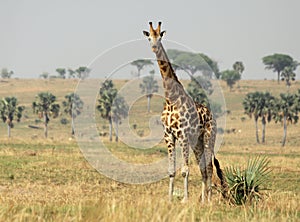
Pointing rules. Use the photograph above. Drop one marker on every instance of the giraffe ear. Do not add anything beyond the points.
(163, 33)
(146, 33)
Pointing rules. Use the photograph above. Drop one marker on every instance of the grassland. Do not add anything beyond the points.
(50, 180)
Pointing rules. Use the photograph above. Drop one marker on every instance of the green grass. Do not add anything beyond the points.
(50, 180)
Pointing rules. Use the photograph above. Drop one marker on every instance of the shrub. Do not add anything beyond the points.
(36, 121)
(244, 186)
(220, 130)
(64, 121)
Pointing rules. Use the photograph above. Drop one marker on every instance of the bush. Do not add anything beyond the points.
(244, 186)
(64, 121)
(220, 130)
(140, 133)
(216, 108)
(36, 121)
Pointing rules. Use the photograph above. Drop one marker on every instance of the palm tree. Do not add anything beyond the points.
(140, 64)
(251, 104)
(149, 86)
(286, 110)
(119, 111)
(107, 95)
(238, 66)
(9, 110)
(46, 106)
(265, 111)
(72, 106)
(260, 105)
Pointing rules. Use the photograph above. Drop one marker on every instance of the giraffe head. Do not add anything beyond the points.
(154, 36)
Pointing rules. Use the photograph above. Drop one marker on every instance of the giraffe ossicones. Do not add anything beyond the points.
(154, 36)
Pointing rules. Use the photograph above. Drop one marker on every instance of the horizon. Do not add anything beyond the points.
(40, 37)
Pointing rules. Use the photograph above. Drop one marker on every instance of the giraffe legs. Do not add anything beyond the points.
(185, 174)
(203, 149)
(202, 166)
(203, 155)
(206, 171)
(209, 144)
(185, 169)
(171, 188)
(170, 141)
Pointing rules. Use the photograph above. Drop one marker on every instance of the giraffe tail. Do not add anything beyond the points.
(221, 177)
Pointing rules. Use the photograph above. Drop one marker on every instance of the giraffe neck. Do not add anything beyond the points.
(174, 91)
(164, 64)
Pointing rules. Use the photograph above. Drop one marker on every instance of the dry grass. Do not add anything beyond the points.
(49, 180)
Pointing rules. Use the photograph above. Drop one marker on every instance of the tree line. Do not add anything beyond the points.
(282, 64)
(45, 107)
(113, 107)
(81, 72)
(284, 109)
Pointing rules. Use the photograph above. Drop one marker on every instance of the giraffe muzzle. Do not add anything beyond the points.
(154, 48)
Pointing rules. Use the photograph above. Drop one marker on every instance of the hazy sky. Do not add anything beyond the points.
(39, 36)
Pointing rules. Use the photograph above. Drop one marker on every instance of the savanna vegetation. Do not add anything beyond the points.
(48, 179)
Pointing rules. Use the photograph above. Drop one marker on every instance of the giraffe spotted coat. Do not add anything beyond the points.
(189, 123)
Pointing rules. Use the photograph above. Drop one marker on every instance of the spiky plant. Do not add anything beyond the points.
(245, 185)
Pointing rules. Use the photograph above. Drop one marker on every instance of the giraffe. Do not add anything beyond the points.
(189, 123)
